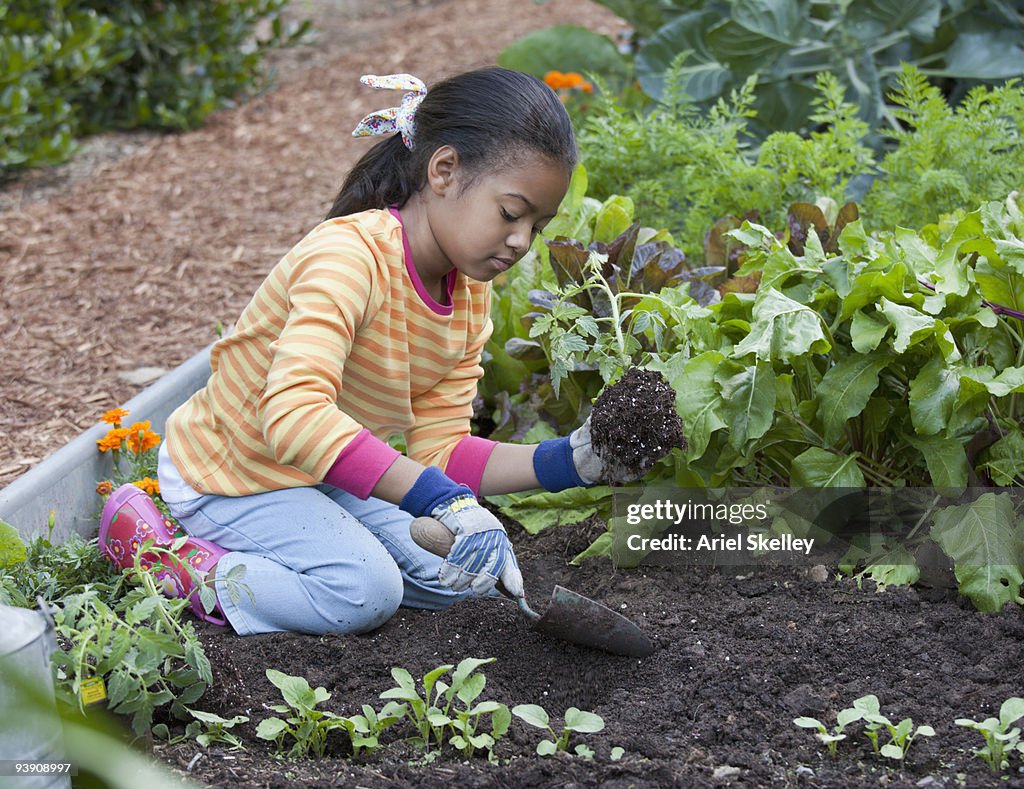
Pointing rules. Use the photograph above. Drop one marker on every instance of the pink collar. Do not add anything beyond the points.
(417, 283)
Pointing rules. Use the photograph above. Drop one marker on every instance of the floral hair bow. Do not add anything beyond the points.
(393, 119)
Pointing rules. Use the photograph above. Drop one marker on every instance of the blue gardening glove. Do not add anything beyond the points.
(568, 462)
(481, 553)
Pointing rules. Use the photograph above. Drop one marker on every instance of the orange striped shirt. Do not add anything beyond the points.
(340, 338)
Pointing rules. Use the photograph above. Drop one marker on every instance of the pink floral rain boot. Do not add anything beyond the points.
(129, 519)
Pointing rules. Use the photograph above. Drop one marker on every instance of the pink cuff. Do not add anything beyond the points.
(468, 460)
(361, 464)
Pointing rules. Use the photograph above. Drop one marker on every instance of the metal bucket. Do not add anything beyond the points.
(30, 730)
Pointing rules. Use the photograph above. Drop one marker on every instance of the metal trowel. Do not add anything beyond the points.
(569, 616)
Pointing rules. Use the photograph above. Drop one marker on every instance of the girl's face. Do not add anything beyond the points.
(486, 228)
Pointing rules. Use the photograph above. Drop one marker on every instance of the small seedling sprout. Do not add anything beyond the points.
(1000, 739)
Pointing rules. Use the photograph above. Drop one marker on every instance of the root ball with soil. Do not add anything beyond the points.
(634, 423)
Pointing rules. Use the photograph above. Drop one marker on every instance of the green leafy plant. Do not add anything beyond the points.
(830, 738)
(145, 651)
(364, 730)
(1000, 738)
(73, 67)
(716, 46)
(901, 735)
(574, 721)
(451, 708)
(207, 728)
(305, 725)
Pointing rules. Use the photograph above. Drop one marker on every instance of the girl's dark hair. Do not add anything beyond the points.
(489, 116)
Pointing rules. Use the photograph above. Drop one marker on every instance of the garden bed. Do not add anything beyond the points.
(740, 653)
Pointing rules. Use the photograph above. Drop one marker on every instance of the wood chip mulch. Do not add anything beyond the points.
(129, 256)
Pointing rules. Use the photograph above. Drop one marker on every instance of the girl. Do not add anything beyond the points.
(372, 326)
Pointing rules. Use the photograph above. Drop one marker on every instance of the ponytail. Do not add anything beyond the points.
(490, 116)
(378, 180)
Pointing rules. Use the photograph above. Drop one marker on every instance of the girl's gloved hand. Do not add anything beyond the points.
(482, 553)
(589, 465)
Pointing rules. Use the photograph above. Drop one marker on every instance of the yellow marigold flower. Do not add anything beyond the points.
(113, 439)
(105, 488)
(149, 439)
(114, 416)
(151, 486)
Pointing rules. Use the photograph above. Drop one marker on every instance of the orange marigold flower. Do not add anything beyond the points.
(151, 486)
(105, 488)
(587, 87)
(113, 439)
(574, 79)
(555, 80)
(114, 416)
(148, 440)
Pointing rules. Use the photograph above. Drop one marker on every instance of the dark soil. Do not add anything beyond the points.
(740, 653)
(635, 423)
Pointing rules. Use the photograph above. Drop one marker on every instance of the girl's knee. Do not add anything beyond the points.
(381, 597)
(357, 604)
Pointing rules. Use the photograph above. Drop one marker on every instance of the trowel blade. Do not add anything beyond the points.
(580, 620)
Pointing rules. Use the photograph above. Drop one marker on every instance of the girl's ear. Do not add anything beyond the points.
(441, 169)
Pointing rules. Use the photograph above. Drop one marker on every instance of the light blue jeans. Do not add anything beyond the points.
(317, 560)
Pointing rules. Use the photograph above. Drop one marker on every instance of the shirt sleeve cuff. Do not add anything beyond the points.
(468, 461)
(361, 464)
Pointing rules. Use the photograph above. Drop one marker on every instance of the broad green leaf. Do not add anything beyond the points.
(933, 393)
(845, 390)
(546, 748)
(945, 458)
(538, 511)
(911, 325)
(748, 397)
(501, 719)
(699, 400)
(704, 77)
(818, 468)
(270, 728)
(780, 20)
(808, 723)
(466, 667)
(602, 546)
(1004, 460)
(742, 49)
(582, 721)
(782, 329)
(895, 568)
(1007, 382)
(564, 48)
(984, 540)
(12, 549)
(919, 17)
(1011, 711)
(614, 218)
(532, 714)
(866, 333)
(869, 287)
(970, 56)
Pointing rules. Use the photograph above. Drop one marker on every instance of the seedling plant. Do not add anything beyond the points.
(1000, 739)
(451, 709)
(830, 738)
(575, 720)
(901, 735)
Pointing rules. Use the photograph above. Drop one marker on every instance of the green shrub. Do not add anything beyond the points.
(69, 67)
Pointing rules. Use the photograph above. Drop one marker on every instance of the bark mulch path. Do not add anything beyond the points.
(130, 256)
(739, 653)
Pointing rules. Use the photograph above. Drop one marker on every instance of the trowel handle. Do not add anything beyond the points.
(432, 535)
